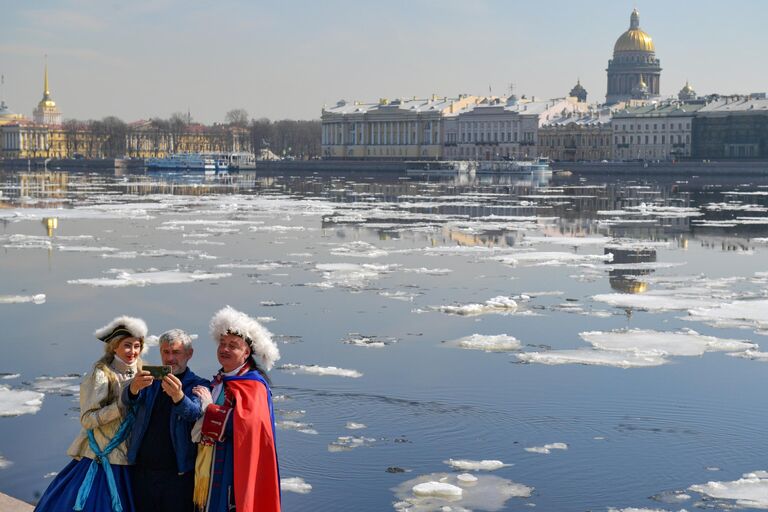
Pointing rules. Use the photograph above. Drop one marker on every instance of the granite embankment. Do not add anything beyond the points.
(8, 504)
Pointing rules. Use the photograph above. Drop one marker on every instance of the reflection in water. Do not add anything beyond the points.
(627, 279)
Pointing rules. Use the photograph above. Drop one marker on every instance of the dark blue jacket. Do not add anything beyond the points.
(183, 416)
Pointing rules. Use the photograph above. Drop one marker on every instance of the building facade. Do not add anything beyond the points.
(634, 72)
(577, 136)
(654, 132)
(733, 127)
(401, 129)
(503, 128)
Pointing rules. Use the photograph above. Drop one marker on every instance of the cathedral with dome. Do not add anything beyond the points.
(634, 72)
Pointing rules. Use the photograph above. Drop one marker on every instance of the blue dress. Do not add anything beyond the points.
(62, 493)
(104, 431)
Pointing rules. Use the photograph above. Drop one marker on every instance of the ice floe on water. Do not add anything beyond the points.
(428, 271)
(359, 250)
(20, 299)
(636, 348)
(593, 357)
(749, 491)
(682, 343)
(264, 265)
(753, 355)
(350, 275)
(4, 463)
(295, 484)
(498, 305)
(570, 241)
(128, 278)
(15, 402)
(446, 492)
(347, 443)
(26, 242)
(652, 301)
(476, 465)
(488, 342)
(361, 340)
(304, 428)
(550, 258)
(746, 314)
(67, 385)
(351, 425)
(547, 448)
(86, 248)
(320, 370)
(278, 229)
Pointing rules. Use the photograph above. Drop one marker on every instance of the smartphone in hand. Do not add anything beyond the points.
(157, 372)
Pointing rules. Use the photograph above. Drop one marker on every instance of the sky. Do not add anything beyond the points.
(142, 59)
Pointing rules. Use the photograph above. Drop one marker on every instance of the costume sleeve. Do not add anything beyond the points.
(256, 478)
(130, 399)
(93, 390)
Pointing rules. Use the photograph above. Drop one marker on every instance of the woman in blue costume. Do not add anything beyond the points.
(97, 480)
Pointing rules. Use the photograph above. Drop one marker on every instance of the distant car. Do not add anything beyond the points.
(78, 156)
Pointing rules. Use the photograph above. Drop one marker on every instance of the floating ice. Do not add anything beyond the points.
(360, 340)
(320, 370)
(748, 314)
(347, 443)
(350, 275)
(4, 463)
(277, 229)
(304, 428)
(295, 484)
(683, 343)
(15, 402)
(67, 385)
(351, 425)
(499, 305)
(9, 376)
(19, 299)
(26, 242)
(398, 295)
(593, 357)
(570, 241)
(86, 248)
(653, 302)
(751, 490)
(265, 265)
(489, 343)
(754, 355)
(550, 258)
(125, 278)
(466, 479)
(451, 492)
(475, 465)
(438, 490)
(547, 448)
(429, 271)
(359, 249)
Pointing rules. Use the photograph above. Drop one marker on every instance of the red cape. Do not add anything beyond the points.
(256, 478)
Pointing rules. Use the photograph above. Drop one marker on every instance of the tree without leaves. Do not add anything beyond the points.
(237, 117)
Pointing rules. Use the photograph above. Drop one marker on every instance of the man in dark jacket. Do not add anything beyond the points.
(160, 446)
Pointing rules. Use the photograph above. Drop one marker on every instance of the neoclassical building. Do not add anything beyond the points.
(634, 72)
(47, 112)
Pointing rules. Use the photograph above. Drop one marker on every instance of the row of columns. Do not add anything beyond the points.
(382, 133)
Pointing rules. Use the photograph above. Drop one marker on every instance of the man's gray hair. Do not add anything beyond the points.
(176, 335)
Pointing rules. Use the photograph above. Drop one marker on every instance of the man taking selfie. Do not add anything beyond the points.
(160, 447)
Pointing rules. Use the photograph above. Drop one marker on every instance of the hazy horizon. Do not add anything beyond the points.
(151, 59)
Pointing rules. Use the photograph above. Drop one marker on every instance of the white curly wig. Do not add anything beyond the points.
(122, 326)
(232, 321)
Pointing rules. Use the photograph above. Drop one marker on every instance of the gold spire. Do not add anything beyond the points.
(46, 91)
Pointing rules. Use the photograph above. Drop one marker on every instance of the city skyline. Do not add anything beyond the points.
(144, 59)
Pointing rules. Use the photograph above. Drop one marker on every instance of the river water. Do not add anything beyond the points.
(550, 343)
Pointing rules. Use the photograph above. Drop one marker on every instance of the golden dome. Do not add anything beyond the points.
(634, 39)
